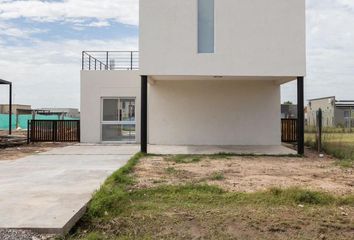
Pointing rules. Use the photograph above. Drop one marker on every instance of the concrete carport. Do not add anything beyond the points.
(48, 192)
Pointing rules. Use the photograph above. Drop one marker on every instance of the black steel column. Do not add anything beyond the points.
(300, 116)
(143, 128)
(10, 109)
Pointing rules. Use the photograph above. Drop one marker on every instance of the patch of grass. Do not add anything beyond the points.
(309, 197)
(345, 163)
(144, 210)
(224, 155)
(95, 236)
(217, 176)
(339, 145)
(347, 200)
(179, 173)
(187, 158)
(113, 195)
(113, 191)
(181, 158)
(171, 170)
(118, 211)
(177, 192)
(158, 181)
(197, 195)
(291, 196)
(339, 129)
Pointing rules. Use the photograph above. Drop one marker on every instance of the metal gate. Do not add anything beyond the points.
(289, 130)
(53, 131)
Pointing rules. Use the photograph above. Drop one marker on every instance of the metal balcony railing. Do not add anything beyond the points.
(110, 60)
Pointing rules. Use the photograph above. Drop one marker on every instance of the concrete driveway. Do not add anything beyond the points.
(48, 192)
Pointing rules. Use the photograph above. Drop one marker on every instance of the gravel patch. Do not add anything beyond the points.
(11, 234)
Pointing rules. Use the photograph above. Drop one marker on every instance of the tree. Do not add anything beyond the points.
(288, 103)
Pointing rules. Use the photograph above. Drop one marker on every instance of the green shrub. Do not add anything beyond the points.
(310, 197)
(301, 196)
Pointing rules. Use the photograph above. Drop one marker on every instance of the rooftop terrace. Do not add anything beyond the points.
(110, 60)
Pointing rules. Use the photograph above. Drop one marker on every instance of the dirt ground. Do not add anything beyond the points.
(14, 132)
(248, 174)
(23, 150)
(13, 153)
(178, 210)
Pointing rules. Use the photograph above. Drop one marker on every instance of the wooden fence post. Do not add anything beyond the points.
(28, 131)
(55, 127)
(78, 130)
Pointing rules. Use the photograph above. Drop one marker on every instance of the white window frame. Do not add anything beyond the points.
(102, 122)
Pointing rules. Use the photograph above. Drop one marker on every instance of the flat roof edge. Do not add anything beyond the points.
(5, 82)
(313, 99)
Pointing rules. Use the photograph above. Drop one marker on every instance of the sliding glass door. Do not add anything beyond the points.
(118, 119)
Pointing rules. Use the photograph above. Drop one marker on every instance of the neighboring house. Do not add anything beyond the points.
(306, 115)
(66, 112)
(4, 108)
(23, 113)
(208, 73)
(288, 111)
(334, 113)
(27, 109)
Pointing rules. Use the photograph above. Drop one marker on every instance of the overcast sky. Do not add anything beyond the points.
(41, 44)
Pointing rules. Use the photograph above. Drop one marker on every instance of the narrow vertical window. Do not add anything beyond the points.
(205, 26)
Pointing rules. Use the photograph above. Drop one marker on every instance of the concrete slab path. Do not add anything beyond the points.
(48, 192)
(257, 150)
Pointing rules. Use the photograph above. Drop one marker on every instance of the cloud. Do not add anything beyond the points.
(330, 51)
(47, 74)
(99, 24)
(9, 30)
(122, 11)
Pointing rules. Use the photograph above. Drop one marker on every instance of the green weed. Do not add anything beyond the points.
(184, 158)
(217, 176)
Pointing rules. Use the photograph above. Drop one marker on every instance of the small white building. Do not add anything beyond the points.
(335, 113)
(208, 73)
(65, 112)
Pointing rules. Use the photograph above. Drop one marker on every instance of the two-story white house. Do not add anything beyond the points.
(208, 73)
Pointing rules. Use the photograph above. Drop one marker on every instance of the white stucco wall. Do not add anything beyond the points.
(252, 38)
(328, 111)
(214, 113)
(98, 84)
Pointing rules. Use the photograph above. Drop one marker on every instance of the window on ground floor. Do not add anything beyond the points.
(118, 119)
